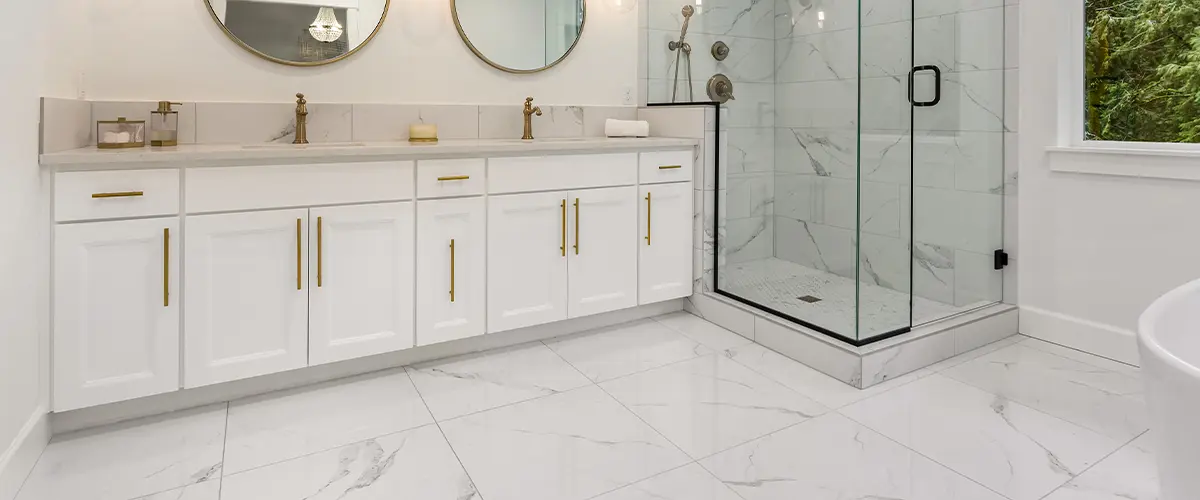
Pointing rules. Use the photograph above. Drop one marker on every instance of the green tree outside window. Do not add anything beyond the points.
(1143, 70)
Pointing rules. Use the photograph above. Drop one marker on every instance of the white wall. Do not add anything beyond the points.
(158, 49)
(1095, 250)
(24, 239)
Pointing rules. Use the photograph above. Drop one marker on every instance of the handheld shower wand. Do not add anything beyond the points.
(684, 52)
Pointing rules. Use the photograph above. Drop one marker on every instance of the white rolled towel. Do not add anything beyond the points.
(626, 128)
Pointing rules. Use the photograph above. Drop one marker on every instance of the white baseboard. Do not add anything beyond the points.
(191, 398)
(1078, 333)
(18, 460)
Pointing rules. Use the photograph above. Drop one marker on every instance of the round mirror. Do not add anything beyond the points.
(300, 32)
(520, 36)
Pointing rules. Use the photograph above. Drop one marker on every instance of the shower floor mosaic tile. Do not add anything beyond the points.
(672, 408)
(790, 288)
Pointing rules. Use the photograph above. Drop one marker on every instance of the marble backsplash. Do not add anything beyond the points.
(69, 124)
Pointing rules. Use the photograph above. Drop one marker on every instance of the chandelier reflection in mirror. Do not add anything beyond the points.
(300, 32)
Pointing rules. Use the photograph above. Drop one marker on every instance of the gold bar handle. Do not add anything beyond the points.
(563, 248)
(451, 269)
(320, 251)
(121, 194)
(670, 167)
(576, 226)
(647, 218)
(166, 267)
(299, 286)
(454, 178)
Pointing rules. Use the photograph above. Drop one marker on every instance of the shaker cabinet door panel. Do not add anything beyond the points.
(451, 269)
(602, 259)
(360, 281)
(116, 311)
(246, 295)
(665, 240)
(527, 260)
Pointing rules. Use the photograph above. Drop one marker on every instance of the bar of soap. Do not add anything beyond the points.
(422, 132)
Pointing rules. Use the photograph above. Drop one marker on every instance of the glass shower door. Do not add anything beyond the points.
(957, 192)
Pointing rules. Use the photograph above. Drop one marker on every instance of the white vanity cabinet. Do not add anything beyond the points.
(360, 281)
(116, 311)
(451, 275)
(174, 276)
(665, 243)
(246, 295)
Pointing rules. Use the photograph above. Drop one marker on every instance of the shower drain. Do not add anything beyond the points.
(809, 298)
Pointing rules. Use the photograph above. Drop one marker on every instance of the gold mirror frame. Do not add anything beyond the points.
(386, 6)
(462, 34)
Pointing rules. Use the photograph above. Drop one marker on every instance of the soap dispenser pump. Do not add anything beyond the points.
(164, 125)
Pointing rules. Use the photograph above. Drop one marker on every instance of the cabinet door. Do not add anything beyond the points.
(451, 262)
(665, 261)
(246, 295)
(360, 281)
(116, 311)
(527, 260)
(602, 259)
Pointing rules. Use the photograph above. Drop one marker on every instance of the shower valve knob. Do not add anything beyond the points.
(720, 51)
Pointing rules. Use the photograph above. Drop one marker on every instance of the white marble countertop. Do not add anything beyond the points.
(227, 154)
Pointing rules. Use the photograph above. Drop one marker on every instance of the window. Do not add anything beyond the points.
(1142, 71)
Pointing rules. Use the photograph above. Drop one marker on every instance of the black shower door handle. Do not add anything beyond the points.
(937, 85)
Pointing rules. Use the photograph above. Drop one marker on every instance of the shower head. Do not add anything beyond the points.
(688, 10)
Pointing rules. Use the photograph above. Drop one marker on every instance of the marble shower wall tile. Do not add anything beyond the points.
(749, 59)
(66, 124)
(218, 122)
(507, 122)
(746, 18)
(958, 219)
(389, 122)
(140, 110)
(749, 239)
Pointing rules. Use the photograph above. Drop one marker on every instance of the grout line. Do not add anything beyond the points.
(474, 485)
(224, 447)
(1094, 464)
(1030, 342)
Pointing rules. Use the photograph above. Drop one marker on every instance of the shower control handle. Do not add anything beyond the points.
(937, 85)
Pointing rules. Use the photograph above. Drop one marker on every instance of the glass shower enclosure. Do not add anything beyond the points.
(861, 187)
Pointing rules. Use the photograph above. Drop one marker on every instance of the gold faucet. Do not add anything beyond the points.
(530, 110)
(301, 120)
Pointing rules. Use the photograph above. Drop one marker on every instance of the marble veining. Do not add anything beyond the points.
(781, 430)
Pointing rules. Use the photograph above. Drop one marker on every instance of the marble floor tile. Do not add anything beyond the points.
(208, 490)
(624, 349)
(702, 331)
(1101, 400)
(1008, 447)
(458, 386)
(1128, 474)
(822, 388)
(710, 403)
(280, 426)
(690, 482)
(1083, 357)
(416, 464)
(833, 458)
(132, 459)
(568, 446)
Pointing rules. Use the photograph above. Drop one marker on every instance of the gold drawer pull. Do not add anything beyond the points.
(670, 167)
(648, 218)
(122, 194)
(166, 267)
(563, 248)
(299, 285)
(576, 226)
(454, 178)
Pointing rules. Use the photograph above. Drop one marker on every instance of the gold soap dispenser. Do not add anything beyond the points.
(164, 125)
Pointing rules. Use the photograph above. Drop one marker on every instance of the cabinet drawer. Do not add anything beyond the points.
(442, 178)
(665, 166)
(247, 188)
(550, 173)
(115, 194)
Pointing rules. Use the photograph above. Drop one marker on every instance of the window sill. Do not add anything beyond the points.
(1147, 163)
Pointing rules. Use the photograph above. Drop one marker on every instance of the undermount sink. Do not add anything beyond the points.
(305, 146)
